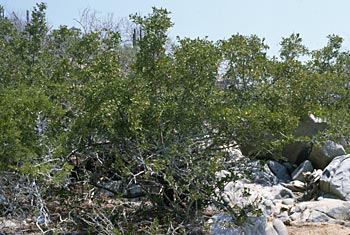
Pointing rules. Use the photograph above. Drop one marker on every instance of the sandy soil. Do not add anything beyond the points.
(318, 229)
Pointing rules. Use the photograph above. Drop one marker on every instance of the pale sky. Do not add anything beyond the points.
(269, 19)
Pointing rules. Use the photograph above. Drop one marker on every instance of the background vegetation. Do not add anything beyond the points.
(83, 105)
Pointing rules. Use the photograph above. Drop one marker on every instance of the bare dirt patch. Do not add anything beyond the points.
(318, 229)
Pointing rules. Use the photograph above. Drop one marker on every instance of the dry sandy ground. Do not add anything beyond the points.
(318, 229)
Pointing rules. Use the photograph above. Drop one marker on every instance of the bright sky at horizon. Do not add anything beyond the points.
(269, 19)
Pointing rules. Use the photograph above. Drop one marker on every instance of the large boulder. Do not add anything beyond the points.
(321, 156)
(298, 174)
(279, 170)
(224, 224)
(310, 126)
(279, 227)
(259, 172)
(298, 152)
(335, 178)
(326, 210)
(242, 193)
(264, 176)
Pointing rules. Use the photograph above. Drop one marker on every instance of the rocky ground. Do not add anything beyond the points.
(13, 227)
(291, 203)
(285, 209)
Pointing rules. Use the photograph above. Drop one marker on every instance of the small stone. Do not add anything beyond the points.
(280, 228)
(284, 217)
(267, 207)
(288, 201)
(295, 185)
(9, 224)
(316, 216)
(283, 193)
(268, 203)
(300, 207)
(294, 216)
(270, 230)
(305, 215)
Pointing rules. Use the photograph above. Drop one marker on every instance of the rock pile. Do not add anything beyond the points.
(313, 186)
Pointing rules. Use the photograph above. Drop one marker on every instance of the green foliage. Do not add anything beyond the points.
(19, 110)
(292, 48)
(246, 61)
(153, 113)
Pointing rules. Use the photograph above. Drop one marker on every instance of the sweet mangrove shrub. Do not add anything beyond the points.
(153, 111)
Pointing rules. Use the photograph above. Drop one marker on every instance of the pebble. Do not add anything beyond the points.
(295, 216)
(288, 201)
(305, 215)
(9, 224)
(280, 228)
(284, 217)
(270, 231)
